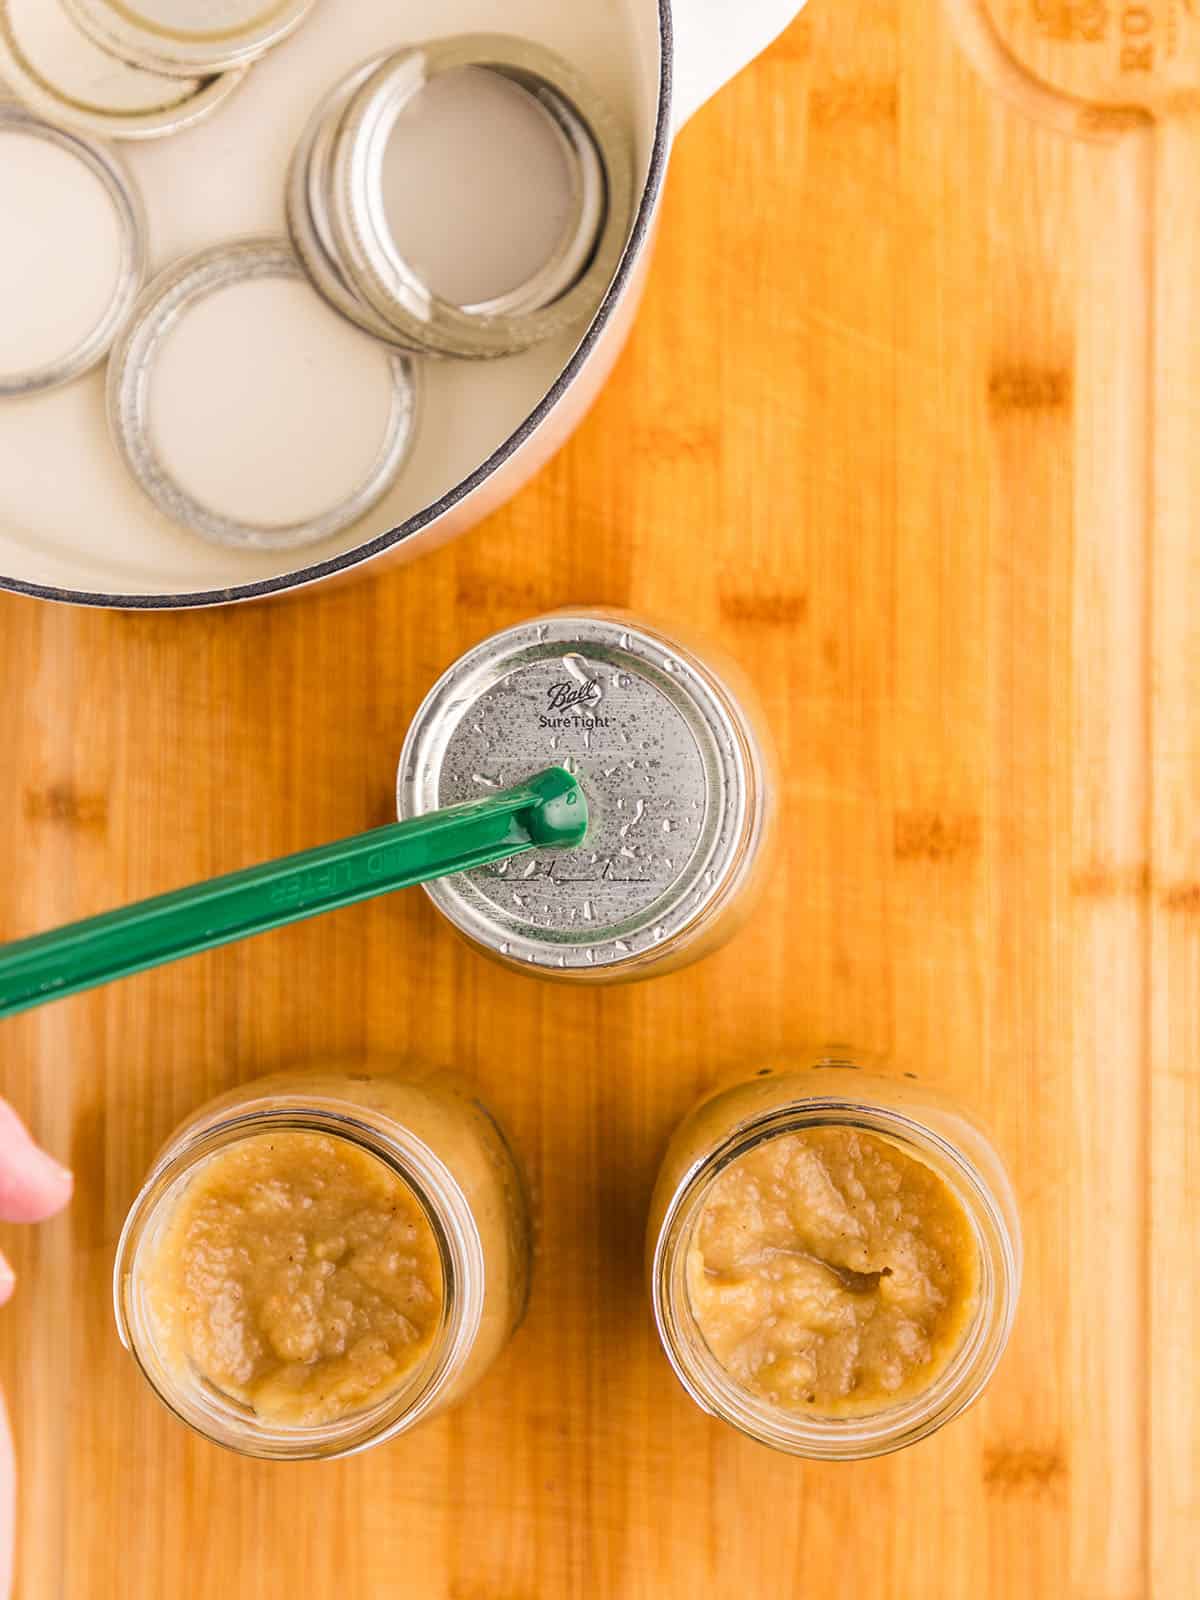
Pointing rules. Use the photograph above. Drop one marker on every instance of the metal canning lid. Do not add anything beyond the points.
(54, 66)
(119, 188)
(131, 366)
(186, 37)
(667, 760)
(307, 213)
(568, 287)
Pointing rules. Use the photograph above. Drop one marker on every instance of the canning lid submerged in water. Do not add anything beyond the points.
(674, 774)
(465, 197)
(59, 183)
(61, 72)
(229, 367)
(184, 37)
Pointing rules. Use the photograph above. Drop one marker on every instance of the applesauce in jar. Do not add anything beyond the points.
(834, 1259)
(298, 1275)
(323, 1258)
(829, 1271)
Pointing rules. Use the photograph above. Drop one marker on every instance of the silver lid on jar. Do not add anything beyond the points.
(666, 758)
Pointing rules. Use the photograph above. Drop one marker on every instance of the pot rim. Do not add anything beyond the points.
(420, 520)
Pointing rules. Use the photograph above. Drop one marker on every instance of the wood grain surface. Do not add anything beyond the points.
(911, 424)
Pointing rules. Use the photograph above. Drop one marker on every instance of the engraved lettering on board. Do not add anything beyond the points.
(1076, 21)
(1140, 34)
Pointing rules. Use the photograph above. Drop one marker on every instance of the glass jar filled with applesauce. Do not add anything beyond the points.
(322, 1258)
(834, 1258)
(672, 757)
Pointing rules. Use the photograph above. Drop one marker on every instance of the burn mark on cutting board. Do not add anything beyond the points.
(484, 591)
(1100, 880)
(1028, 388)
(776, 610)
(67, 805)
(1183, 897)
(1020, 1469)
(855, 101)
(930, 836)
(1112, 120)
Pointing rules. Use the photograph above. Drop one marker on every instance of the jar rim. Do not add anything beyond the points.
(733, 793)
(956, 1387)
(445, 1208)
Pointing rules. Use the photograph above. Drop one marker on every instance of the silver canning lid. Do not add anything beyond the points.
(665, 756)
(307, 212)
(185, 37)
(562, 292)
(54, 66)
(131, 268)
(130, 368)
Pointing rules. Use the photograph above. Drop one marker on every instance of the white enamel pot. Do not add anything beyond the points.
(73, 529)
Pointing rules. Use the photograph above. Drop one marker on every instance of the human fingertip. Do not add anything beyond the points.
(33, 1185)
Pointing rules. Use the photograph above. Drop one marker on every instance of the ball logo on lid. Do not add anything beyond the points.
(578, 688)
(563, 696)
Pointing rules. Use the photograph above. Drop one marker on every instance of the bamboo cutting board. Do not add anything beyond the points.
(911, 423)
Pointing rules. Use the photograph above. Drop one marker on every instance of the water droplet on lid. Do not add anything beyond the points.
(485, 780)
(589, 914)
(660, 933)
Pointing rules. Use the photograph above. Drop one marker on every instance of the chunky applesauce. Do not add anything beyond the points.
(832, 1273)
(298, 1275)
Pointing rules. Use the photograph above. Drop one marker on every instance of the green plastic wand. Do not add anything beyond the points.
(547, 811)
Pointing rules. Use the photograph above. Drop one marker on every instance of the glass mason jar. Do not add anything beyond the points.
(430, 1131)
(833, 1091)
(675, 767)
